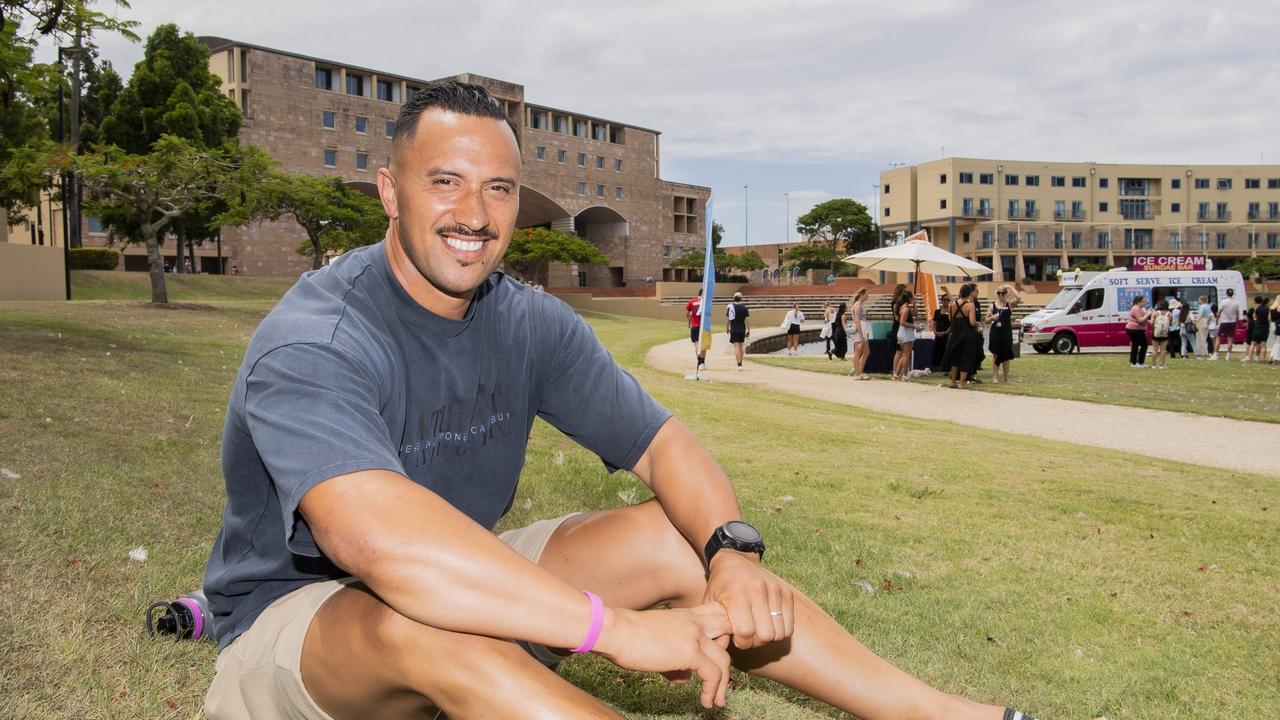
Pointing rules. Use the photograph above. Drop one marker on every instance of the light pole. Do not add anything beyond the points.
(746, 214)
(786, 227)
(875, 208)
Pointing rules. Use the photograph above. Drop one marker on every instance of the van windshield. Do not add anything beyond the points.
(1063, 299)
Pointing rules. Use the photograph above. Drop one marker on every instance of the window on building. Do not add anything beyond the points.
(1104, 239)
(1059, 209)
(1223, 213)
(986, 179)
(538, 119)
(582, 159)
(328, 119)
(1103, 183)
(966, 207)
(942, 204)
(97, 228)
(560, 156)
(389, 91)
(560, 124)
(598, 132)
(685, 214)
(1224, 183)
(666, 251)
(1011, 239)
(540, 153)
(324, 79)
(244, 66)
(1175, 240)
(1255, 210)
(1254, 239)
(1202, 241)
(1252, 183)
(965, 236)
(617, 135)
(1057, 181)
(362, 161)
(1103, 206)
(1202, 211)
(966, 178)
(1222, 241)
(886, 188)
(580, 128)
(362, 124)
(1273, 211)
(1175, 207)
(391, 128)
(988, 239)
(410, 91)
(617, 165)
(942, 179)
(1010, 179)
(1033, 181)
(599, 162)
(582, 188)
(1077, 209)
(331, 157)
(1030, 238)
(1031, 209)
(1175, 184)
(599, 191)
(1273, 241)
(355, 84)
(1273, 183)
(1015, 208)
(886, 212)
(1077, 240)
(617, 192)
(1078, 181)
(1202, 184)
(244, 102)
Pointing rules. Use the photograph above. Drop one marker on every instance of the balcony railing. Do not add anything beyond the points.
(1263, 216)
(980, 212)
(1137, 214)
(1064, 215)
(1214, 217)
(1024, 214)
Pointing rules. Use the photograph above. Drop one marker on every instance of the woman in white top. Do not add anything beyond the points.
(827, 332)
(860, 333)
(792, 323)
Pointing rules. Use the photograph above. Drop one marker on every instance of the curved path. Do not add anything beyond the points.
(1104, 426)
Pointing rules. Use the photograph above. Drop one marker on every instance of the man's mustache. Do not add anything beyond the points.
(464, 231)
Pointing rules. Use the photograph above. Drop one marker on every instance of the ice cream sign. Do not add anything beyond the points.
(1168, 262)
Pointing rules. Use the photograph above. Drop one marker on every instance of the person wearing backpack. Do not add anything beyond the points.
(1161, 320)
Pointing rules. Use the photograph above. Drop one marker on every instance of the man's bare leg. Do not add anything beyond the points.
(361, 659)
(634, 558)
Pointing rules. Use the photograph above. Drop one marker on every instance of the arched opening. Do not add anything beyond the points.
(538, 210)
(608, 230)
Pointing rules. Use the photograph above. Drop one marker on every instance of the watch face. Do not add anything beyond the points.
(742, 532)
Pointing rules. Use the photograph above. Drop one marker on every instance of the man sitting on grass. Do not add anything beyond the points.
(374, 435)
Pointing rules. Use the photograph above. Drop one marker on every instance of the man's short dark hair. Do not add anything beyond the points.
(453, 96)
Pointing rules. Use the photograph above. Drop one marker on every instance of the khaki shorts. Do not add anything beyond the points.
(259, 675)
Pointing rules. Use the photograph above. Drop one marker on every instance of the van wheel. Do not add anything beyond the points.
(1042, 348)
(1064, 343)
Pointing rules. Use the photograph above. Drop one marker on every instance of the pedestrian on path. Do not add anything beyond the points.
(964, 345)
(906, 336)
(1275, 320)
(1175, 326)
(1001, 321)
(1228, 318)
(739, 326)
(828, 316)
(839, 338)
(941, 326)
(792, 324)
(1136, 327)
(1204, 320)
(693, 311)
(1187, 321)
(861, 334)
(1259, 329)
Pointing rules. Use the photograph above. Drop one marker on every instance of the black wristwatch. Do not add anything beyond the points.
(735, 535)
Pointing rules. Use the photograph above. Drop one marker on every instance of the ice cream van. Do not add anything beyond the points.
(1092, 307)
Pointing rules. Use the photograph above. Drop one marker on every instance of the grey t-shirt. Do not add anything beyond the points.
(349, 373)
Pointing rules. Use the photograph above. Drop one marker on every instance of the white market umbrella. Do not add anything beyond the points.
(918, 256)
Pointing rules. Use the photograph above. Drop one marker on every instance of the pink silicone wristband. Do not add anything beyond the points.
(597, 623)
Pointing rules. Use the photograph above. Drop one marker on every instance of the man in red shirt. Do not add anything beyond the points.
(693, 310)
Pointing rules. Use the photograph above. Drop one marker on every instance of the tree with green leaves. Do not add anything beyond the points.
(841, 225)
(532, 250)
(334, 216)
(1262, 267)
(725, 263)
(803, 258)
(152, 189)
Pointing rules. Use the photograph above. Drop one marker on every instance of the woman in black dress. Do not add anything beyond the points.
(1001, 320)
(839, 337)
(965, 343)
(941, 330)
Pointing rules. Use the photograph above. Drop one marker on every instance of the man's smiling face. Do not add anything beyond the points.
(453, 193)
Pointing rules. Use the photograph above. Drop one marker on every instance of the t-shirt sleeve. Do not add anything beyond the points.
(588, 397)
(313, 414)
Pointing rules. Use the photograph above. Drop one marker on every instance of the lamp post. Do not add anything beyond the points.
(786, 226)
(875, 209)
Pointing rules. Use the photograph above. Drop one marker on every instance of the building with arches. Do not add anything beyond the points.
(583, 174)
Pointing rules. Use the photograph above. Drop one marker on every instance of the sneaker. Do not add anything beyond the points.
(1213, 356)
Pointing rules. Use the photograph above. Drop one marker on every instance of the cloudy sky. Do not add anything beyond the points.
(815, 97)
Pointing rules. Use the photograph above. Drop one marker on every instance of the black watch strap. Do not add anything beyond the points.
(735, 535)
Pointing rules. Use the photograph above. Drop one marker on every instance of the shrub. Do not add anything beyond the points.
(94, 258)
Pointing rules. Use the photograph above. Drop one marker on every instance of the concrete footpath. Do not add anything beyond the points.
(1235, 444)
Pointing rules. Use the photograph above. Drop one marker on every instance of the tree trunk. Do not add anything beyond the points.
(317, 252)
(177, 259)
(191, 253)
(155, 264)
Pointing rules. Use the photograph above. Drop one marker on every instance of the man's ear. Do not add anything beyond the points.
(387, 193)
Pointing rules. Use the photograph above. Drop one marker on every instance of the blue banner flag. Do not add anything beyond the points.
(708, 278)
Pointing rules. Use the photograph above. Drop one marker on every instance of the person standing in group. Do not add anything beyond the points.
(861, 335)
(1259, 329)
(1204, 319)
(828, 314)
(1228, 317)
(906, 336)
(1187, 323)
(963, 345)
(792, 323)
(1275, 320)
(1001, 321)
(739, 326)
(941, 326)
(693, 311)
(1136, 327)
(839, 337)
(1175, 326)
(1161, 324)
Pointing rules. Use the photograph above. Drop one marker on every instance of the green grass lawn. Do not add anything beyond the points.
(1233, 390)
(1075, 582)
(111, 285)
